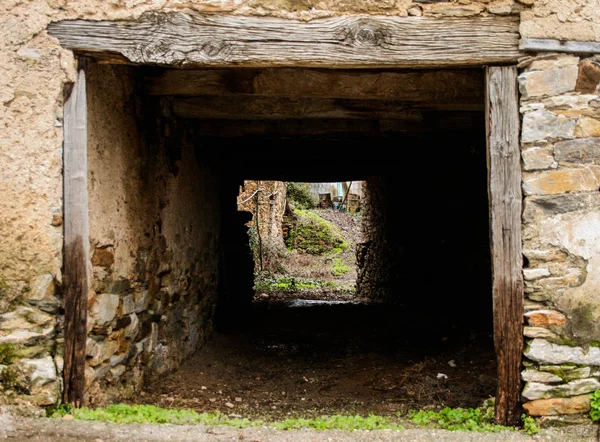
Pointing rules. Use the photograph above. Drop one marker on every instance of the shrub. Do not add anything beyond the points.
(299, 196)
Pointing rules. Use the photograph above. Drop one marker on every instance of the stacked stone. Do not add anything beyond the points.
(561, 233)
(30, 349)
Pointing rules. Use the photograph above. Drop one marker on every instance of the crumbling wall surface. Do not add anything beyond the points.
(560, 106)
(562, 20)
(154, 217)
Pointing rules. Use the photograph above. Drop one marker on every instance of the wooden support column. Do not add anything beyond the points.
(76, 247)
(504, 176)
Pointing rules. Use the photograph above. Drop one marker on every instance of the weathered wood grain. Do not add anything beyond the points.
(358, 41)
(435, 88)
(248, 108)
(504, 174)
(550, 45)
(76, 237)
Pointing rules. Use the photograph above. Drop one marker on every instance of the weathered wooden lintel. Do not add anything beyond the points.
(355, 41)
(550, 45)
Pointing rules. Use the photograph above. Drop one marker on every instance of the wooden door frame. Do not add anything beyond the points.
(360, 42)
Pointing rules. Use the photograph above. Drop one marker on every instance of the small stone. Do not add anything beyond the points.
(102, 371)
(132, 329)
(548, 82)
(530, 375)
(92, 349)
(538, 158)
(541, 125)
(104, 308)
(543, 351)
(540, 332)
(43, 291)
(43, 371)
(545, 318)
(238, 399)
(533, 274)
(581, 151)
(500, 10)
(587, 127)
(103, 257)
(24, 318)
(57, 220)
(553, 61)
(558, 406)
(128, 305)
(560, 181)
(153, 336)
(29, 53)
(453, 10)
(117, 372)
(108, 348)
(589, 76)
(142, 300)
(23, 337)
(415, 11)
(117, 359)
(567, 373)
(229, 405)
(68, 417)
(534, 390)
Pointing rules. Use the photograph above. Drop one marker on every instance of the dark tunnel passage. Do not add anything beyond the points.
(423, 339)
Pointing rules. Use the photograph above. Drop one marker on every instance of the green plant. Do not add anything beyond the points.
(314, 235)
(595, 405)
(529, 425)
(339, 267)
(299, 196)
(59, 410)
(122, 413)
(458, 419)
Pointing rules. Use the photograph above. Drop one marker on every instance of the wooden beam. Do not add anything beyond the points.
(437, 88)
(248, 108)
(550, 45)
(504, 175)
(76, 245)
(354, 41)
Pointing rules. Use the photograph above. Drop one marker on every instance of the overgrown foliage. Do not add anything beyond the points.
(595, 405)
(299, 196)
(315, 235)
(339, 267)
(459, 419)
(121, 413)
(268, 283)
(529, 425)
(7, 354)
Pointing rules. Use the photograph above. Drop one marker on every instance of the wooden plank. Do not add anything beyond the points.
(248, 108)
(504, 174)
(435, 88)
(357, 41)
(550, 45)
(76, 247)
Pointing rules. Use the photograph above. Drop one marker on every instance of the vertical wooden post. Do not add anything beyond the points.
(504, 179)
(76, 247)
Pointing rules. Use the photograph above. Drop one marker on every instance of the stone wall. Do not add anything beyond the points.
(560, 106)
(154, 233)
(271, 207)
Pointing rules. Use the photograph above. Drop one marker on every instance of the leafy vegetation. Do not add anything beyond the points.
(459, 419)
(529, 425)
(267, 283)
(595, 405)
(339, 267)
(7, 354)
(314, 235)
(299, 196)
(121, 413)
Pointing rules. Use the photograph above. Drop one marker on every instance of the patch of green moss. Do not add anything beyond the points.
(314, 235)
(7, 354)
(10, 378)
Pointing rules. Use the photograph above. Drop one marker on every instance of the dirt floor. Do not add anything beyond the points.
(308, 358)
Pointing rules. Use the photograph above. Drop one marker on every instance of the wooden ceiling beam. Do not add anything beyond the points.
(437, 87)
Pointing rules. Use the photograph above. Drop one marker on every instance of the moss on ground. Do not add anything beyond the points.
(314, 235)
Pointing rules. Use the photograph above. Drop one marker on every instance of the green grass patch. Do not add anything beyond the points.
(339, 267)
(268, 283)
(123, 414)
(459, 419)
(314, 235)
